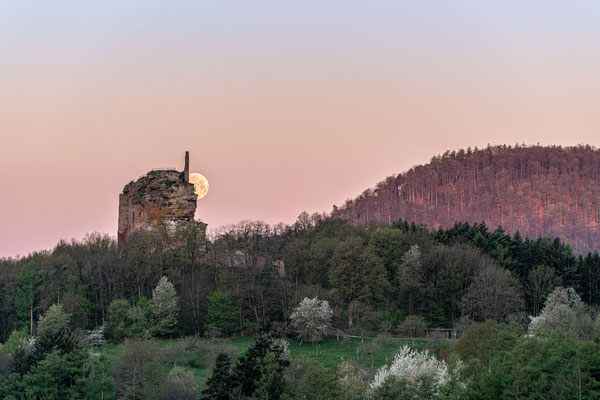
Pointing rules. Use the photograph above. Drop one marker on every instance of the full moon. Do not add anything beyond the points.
(200, 184)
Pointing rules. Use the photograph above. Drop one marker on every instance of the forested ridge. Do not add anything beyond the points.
(536, 190)
(317, 277)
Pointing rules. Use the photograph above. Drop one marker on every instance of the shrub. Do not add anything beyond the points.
(413, 326)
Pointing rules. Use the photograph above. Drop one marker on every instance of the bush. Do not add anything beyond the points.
(413, 326)
(181, 385)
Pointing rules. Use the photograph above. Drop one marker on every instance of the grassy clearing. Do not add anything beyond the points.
(198, 354)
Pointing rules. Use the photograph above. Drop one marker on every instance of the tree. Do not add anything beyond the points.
(412, 365)
(56, 365)
(271, 384)
(494, 294)
(541, 281)
(138, 372)
(564, 312)
(220, 385)
(412, 326)
(221, 313)
(316, 383)
(59, 375)
(116, 320)
(181, 385)
(30, 284)
(312, 319)
(247, 370)
(410, 273)
(54, 333)
(165, 307)
(357, 273)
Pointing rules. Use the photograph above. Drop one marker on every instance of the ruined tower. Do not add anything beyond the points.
(186, 168)
(161, 199)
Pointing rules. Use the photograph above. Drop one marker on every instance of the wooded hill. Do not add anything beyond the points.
(536, 190)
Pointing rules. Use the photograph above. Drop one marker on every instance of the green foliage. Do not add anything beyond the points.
(220, 385)
(181, 385)
(139, 319)
(316, 383)
(549, 368)
(58, 375)
(55, 366)
(271, 384)
(116, 320)
(434, 316)
(165, 307)
(247, 371)
(54, 333)
(138, 372)
(17, 338)
(100, 384)
(357, 274)
(29, 282)
(222, 313)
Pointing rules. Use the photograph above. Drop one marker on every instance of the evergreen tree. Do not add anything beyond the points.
(54, 333)
(221, 313)
(271, 384)
(247, 369)
(220, 385)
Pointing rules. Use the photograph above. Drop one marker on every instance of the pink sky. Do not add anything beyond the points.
(283, 110)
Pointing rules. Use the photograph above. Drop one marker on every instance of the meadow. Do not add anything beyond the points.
(198, 354)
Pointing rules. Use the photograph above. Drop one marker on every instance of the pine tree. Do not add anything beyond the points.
(220, 385)
(271, 384)
(221, 313)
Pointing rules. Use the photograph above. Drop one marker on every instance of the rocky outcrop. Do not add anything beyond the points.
(161, 199)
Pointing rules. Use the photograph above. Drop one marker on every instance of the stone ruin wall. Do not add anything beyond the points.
(159, 199)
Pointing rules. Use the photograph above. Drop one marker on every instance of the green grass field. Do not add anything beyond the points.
(199, 354)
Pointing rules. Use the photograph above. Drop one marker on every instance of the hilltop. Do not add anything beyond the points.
(536, 190)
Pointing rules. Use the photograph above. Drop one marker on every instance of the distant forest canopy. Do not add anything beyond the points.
(252, 276)
(536, 190)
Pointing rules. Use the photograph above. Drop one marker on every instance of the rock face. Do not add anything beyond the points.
(159, 199)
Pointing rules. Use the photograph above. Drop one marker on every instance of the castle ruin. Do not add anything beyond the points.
(161, 199)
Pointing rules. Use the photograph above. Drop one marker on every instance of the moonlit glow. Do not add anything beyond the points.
(200, 184)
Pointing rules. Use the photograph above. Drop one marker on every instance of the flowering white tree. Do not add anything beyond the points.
(165, 307)
(312, 318)
(95, 338)
(565, 311)
(411, 365)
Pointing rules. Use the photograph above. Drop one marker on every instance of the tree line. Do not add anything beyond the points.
(372, 275)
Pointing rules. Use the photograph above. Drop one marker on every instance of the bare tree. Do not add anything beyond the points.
(494, 294)
(541, 281)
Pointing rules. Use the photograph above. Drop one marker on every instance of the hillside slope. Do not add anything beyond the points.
(536, 190)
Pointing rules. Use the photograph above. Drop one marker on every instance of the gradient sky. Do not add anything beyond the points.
(285, 106)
